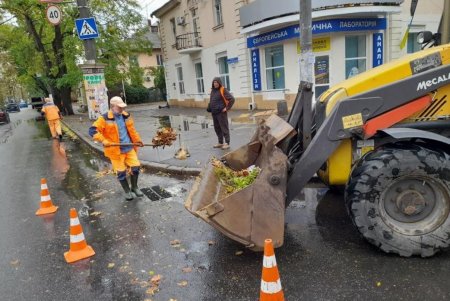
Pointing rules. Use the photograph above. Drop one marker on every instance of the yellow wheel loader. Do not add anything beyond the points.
(384, 135)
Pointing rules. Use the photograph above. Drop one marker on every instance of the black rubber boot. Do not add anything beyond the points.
(134, 187)
(126, 188)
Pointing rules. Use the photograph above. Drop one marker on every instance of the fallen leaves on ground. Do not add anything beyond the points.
(156, 279)
(15, 262)
(211, 242)
(175, 243)
(99, 194)
(111, 265)
(183, 283)
(95, 213)
(101, 174)
(152, 290)
(187, 270)
(238, 253)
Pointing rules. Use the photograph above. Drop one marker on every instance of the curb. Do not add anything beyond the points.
(148, 165)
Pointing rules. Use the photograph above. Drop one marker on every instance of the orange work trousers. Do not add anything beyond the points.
(55, 127)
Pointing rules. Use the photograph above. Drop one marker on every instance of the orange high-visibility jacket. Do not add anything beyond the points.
(51, 111)
(105, 128)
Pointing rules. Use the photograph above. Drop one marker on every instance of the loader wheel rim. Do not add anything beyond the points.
(414, 206)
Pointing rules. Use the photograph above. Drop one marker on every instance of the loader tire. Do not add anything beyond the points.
(398, 197)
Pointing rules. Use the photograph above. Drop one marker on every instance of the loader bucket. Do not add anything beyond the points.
(256, 212)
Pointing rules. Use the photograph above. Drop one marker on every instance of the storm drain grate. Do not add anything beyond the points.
(156, 193)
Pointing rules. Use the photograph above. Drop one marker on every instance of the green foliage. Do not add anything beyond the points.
(159, 78)
(136, 94)
(46, 56)
(232, 180)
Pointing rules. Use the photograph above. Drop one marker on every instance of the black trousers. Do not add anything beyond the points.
(221, 127)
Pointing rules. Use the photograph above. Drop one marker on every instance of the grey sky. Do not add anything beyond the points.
(149, 6)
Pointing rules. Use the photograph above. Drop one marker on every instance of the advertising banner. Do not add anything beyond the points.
(96, 91)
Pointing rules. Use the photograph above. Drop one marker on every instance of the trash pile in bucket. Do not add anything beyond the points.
(234, 180)
(164, 137)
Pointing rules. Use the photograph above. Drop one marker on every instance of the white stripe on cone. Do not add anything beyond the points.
(270, 287)
(45, 198)
(74, 221)
(269, 261)
(44, 186)
(77, 238)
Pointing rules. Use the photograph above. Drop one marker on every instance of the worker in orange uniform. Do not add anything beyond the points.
(53, 115)
(114, 127)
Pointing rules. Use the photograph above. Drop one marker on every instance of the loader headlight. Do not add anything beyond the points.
(424, 37)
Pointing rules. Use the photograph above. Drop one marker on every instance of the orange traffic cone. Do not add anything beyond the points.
(47, 206)
(79, 249)
(270, 281)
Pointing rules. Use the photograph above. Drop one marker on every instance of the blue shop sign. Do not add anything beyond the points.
(256, 70)
(318, 27)
(377, 49)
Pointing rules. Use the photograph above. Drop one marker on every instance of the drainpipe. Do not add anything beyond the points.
(445, 37)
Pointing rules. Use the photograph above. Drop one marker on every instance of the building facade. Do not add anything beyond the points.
(254, 45)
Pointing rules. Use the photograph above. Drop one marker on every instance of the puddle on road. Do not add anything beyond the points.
(200, 122)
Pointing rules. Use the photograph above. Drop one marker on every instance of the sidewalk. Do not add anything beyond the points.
(195, 132)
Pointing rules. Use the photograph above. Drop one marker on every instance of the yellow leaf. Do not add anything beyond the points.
(111, 265)
(239, 253)
(152, 290)
(175, 242)
(156, 279)
(182, 283)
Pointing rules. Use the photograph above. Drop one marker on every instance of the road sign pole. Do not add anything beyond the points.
(89, 45)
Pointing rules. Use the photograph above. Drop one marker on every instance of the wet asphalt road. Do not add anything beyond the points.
(323, 257)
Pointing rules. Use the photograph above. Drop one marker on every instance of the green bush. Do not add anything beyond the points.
(136, 94)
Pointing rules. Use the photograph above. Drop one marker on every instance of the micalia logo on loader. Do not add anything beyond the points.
(423, 85)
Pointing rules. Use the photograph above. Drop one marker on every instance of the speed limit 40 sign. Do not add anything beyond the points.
(54, 14)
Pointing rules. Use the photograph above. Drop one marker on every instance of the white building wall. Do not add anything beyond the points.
(208, 58)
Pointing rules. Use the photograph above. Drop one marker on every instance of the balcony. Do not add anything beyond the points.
(189, 43)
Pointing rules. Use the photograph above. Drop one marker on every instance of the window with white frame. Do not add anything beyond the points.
(223, 71)
(275, 67)
(180, 79)
(218, 12)
(355, 55)
(199, 77)
(413, 46)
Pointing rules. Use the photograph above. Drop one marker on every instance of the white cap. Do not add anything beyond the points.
(117, 101)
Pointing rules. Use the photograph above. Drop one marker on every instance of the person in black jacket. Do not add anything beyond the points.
(220, 102)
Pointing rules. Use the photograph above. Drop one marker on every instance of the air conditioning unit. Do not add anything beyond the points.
(181, 21)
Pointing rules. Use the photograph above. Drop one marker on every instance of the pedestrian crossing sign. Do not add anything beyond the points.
(86, 28)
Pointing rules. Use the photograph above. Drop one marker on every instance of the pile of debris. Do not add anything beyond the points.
(233, 180)
(164, 137)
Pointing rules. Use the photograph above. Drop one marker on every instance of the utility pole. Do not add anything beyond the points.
(89, 45)
(445, 34)
(95, 91)
(306, 66)
(306, 55)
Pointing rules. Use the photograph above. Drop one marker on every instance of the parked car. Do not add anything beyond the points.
(12, 107)
(4, 116)
(23, 104)
(37, 103)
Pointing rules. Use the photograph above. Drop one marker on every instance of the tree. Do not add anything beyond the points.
(159, 79)
(46, 56)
